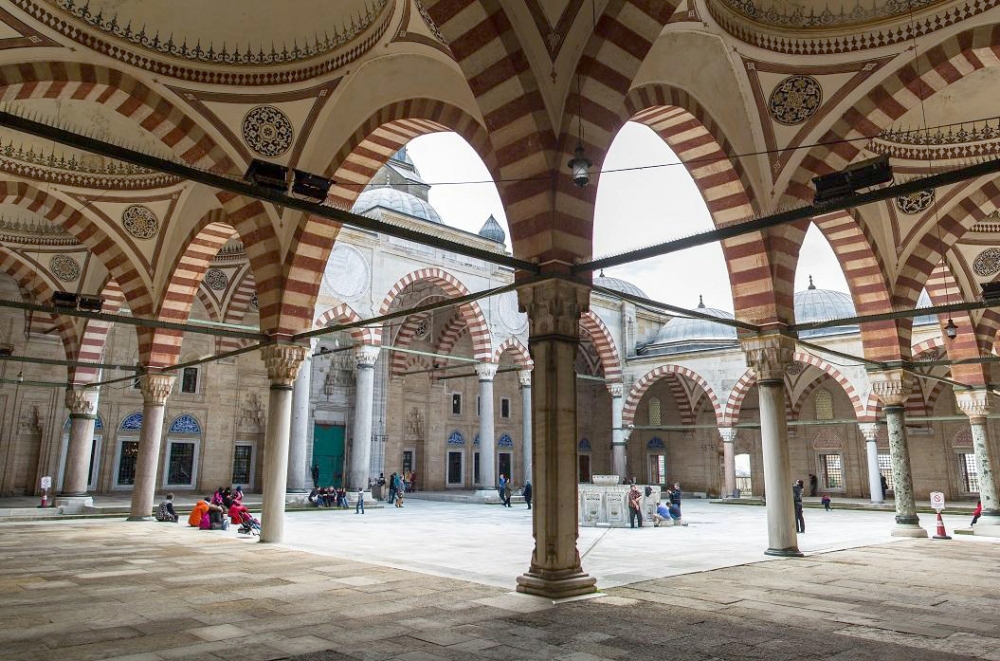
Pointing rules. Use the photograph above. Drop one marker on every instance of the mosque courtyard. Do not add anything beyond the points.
(435, 581)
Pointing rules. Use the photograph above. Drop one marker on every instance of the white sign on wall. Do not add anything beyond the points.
(47, 482)
(937, 500)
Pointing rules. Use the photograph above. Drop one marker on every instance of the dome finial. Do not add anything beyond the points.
(701, 302)
(601, 274)
(811, 285)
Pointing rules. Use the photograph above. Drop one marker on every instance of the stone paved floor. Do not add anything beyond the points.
(149, 592)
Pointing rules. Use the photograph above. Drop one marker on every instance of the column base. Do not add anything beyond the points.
(140, 518)
(908, 530)
(489, 495)
(556, 584)
(988, 525)
(74, 504)
(790, 552)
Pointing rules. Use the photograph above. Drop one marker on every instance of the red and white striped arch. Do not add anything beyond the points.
(640, 387)
(345, 314)
(604, 344)
(236, 308)
(404, 339)
(513, 346)
(448, 338)
(482, 342)
(95, 335)
(941, 287)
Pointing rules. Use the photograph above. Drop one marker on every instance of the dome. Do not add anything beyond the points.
(383, 197)
(623, 286)
(821, 305)
(491, 230)
(683, 334)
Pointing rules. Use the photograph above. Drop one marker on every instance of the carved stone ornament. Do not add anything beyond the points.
(156, 388)
(415, 424)
(524, 378)
(252, 413)
(616, 389)
(728, 434)
(769, 355)
(283, 362)
(486, 371)
(973, 403)
(554, 307)
(31, 420)
(80, 401)
(366, 355)
(892, 387)
(869, 430)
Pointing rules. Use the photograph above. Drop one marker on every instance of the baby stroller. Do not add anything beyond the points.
(250, 525)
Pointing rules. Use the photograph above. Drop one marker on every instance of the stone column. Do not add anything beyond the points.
(619, 464)
(361, 439)
(976, 404)
(554, 309)
(299, 479)
(283, 362)
(728, 435)
(870, 430)
(155, 389)
(893, 387)
(487, 450)
(82, 405)
(769, 356)
(524, 379)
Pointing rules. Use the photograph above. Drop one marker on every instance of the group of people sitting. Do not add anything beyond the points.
(213, 512)
(328, 497)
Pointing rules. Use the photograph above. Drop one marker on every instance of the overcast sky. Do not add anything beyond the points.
(634, 209)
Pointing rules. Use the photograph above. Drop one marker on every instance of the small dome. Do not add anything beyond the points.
(383, 197)
(623, 286)
(683, 334)
(491, 230)
(925, 319)
(821, 305)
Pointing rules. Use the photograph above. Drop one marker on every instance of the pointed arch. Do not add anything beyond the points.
(604, 344)
(521, 356)
(95, 333)
(345, 314)
(647, 380)
(856, 400)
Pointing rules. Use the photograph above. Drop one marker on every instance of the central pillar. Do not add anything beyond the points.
(361, 438)
(893, 388)
(283, 362)
(554, 308)
(524, 379)
(976, 404)
(619, 464)
(82, 405)
(870, 431)
(298, 442)
(728, 435)
(487, 451)
(155, 389)
(769, 356)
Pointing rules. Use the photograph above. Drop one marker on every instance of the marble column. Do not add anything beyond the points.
(554, 308)
(283, 362)
(976, 405)
(769, 356)
(893, 388)
(82, 405)
(299, 479)
(870, 431)
(524, 379)
(619, 466)
(487, 443)
(728, 435)
(361, 438)
(155, 388)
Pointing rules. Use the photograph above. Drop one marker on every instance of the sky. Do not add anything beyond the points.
(635, 208)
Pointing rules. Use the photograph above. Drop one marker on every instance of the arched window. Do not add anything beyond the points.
(654, 412)
(824, 405)
(180, 468)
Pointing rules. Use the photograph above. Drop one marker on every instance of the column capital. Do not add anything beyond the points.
(974, 403)
(554, 307)
(524, 378)
(486, 371)
(728, 434)
(283, 362)
(869, 430)
(80, 401)
(617, 390)
(366, 355)
(769, 355)
(156, 387)
(892, 387)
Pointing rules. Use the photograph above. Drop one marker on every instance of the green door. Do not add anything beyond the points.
(328, 454)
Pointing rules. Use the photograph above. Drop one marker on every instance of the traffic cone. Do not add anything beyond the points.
(941, 532)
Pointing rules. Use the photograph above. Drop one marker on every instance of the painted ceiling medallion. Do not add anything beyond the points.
(914, 203)
(987, 262)
(65, 268)
(795, 367)
(140, 221)
(267, 131)
(795, 99)
(216, 279)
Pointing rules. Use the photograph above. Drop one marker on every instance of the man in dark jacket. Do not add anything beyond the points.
(527, 492)
(675, 495)
(800, 522)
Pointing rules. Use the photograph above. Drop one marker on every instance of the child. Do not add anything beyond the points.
(826, 502)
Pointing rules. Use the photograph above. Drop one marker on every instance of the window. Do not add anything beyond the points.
(180, 467)
(126, 462)
(833, 472)
(885, 468)
(744, 482)
(454, 468)
(243, 464)
(824, 405)
(969, 473)
(657, 469)
(654, 411)
(456, 403)
(189, 380)
(475, 468)
(504, 407)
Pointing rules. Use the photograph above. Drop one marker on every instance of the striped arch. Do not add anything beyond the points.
(731, 413)
(482, 342)
(404, 338)
(796, 408)
(520, 352)
(834, 373)
(454, 330)
(211, 306)
(345, 314)
(927, 345)
(236, 309)
(640, 387)
(604, 344)
(95, 334)
(941, 286)
(37, 284)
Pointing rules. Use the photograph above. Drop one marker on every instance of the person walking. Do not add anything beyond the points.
(885, 485)
(813, 485)
(634, 506)
(977, 513)
(800, 522)
(527, 492)
(507, 492)
(500, 487)
(392, 488)
(360, 506)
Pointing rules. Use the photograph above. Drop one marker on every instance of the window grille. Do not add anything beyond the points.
(833, 472)
(654, 412)
(824, 405)
(970, 473)
(885, 468)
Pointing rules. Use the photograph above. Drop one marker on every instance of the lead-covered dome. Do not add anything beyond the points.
(683, 334)
(822, 305)
(491, 230)
(617, 284)
(390, 199)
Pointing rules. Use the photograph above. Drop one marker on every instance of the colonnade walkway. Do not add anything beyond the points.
(109, 589)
